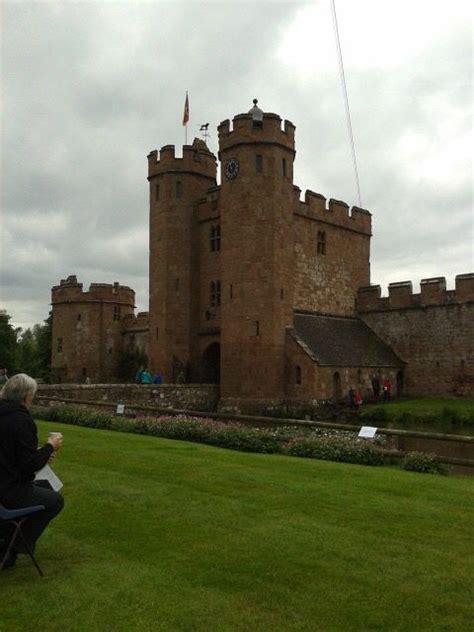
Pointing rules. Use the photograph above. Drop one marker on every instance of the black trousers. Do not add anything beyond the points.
(34, 526)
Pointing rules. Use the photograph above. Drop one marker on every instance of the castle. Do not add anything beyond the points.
(262, 292)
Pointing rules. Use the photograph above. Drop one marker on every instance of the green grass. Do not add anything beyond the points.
(165, 535)
(427, 406)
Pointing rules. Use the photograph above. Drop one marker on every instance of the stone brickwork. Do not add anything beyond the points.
(87, 329)
(433, 332)
(202, 397)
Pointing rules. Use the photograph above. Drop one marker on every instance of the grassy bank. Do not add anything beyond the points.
(166, 535)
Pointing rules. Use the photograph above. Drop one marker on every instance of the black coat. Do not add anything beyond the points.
(20, 458)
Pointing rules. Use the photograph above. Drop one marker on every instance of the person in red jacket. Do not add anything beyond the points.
(387, 389)
(20, 459)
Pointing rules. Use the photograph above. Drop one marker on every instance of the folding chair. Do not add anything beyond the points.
(16, 517)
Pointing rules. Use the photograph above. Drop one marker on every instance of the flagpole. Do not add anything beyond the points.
(186, 118)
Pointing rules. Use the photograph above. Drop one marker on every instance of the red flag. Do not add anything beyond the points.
(186, 111)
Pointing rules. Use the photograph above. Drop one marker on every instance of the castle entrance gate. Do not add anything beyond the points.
(211, 364)
(336, 387)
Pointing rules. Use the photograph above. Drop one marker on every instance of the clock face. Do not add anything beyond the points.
(231, 168)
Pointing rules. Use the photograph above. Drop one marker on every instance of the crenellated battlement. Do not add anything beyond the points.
(400, 295)
(316, 206)
(245, 130)
(70, 291)
(196, 159)
(132, 323)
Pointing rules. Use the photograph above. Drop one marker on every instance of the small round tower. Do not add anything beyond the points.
(87, 329)
(176, 185)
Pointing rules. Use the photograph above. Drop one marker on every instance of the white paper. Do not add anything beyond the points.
(47, 474)
(368, 432)
(120, 409)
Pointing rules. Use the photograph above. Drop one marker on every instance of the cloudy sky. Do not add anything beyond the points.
(89, 88)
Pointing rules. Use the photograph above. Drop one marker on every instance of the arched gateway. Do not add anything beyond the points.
(211, 364)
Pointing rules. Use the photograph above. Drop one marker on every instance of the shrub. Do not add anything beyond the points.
(420, 462)
(338, 449)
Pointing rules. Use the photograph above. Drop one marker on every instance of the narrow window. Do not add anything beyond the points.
(230, 291)
(257, 328)
(359, 376)
(157, 333)
(84, 372)
(157, 192)
(116, 312)
(258, 164)
(110, 349)
(59, 345)
(321, 244)
(78, 317)
(176, 285)
(298, 375)
(283, 167)
(215, 238)
(281, 293)
(132, 341)
(179, 189)
(213, 294)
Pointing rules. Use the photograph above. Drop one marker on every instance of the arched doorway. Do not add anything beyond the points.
(399, 384)
(211, 364)
(336, 388)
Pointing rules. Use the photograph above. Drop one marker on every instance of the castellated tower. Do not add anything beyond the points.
(257, 254)
(87, 329)
(176, 185)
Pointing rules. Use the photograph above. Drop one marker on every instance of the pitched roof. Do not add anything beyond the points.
(338, 341)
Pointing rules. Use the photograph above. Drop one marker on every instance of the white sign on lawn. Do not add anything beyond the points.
(367, 432)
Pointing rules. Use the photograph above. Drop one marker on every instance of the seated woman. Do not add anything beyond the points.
(20, 459)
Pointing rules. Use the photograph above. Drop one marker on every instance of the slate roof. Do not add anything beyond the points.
(336, 341)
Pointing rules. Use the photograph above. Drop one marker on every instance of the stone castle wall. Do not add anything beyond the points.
(433, 332)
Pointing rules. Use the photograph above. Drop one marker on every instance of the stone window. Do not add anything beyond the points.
(298, 375)
(78, 317)
(283, 167)
(132, 341)
(257, 328)
(110, 350)
(59, 346)
(84, 372)
(176, 285)
(157, 192)
(321, 245)
(281, 293)
(215, 293)
(116, 315)
(215, 238)
(157, 333)
(258, 163)
(179, 189)
(359, 376)
(231, 291)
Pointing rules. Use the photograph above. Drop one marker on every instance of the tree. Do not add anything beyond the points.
(8, 343)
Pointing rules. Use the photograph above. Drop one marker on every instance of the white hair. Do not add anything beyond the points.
(18, 387)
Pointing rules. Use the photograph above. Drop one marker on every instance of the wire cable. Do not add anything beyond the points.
(346, 98)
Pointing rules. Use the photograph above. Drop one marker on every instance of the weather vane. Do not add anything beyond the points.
(205, 131)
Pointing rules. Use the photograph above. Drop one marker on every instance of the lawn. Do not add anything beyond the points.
(463, 407)
(166, 535)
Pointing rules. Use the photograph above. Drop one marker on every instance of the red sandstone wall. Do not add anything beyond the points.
(328, 282)
(432, 331)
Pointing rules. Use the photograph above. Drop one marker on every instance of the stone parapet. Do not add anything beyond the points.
(316, 206)
(70, 291)
(246, 131)
(400, 295)
(196, 159)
